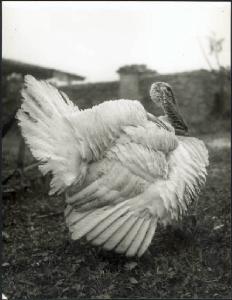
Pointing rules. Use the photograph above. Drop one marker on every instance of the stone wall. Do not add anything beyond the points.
(89, 94)
(195, 92)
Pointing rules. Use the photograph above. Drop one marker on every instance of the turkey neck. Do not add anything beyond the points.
(171, 111)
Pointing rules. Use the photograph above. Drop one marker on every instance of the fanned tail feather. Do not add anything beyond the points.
(45, 125)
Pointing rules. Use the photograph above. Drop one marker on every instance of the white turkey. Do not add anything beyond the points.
(122, 169)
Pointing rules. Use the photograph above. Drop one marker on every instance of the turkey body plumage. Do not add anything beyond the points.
(122, 172)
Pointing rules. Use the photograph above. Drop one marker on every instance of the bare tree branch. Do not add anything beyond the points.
(205, 55)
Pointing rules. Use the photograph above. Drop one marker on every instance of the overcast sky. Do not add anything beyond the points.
(94, 39)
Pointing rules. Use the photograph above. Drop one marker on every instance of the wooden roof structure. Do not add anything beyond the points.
(10, 66)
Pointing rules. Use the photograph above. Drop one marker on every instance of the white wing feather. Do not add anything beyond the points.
(125, 203)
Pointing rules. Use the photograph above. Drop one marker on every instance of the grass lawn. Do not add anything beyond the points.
(40, 260)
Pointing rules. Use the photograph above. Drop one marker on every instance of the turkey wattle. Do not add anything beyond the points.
(122, 169)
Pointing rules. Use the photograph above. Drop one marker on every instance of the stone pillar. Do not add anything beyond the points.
(130, 78)
(129, 83)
